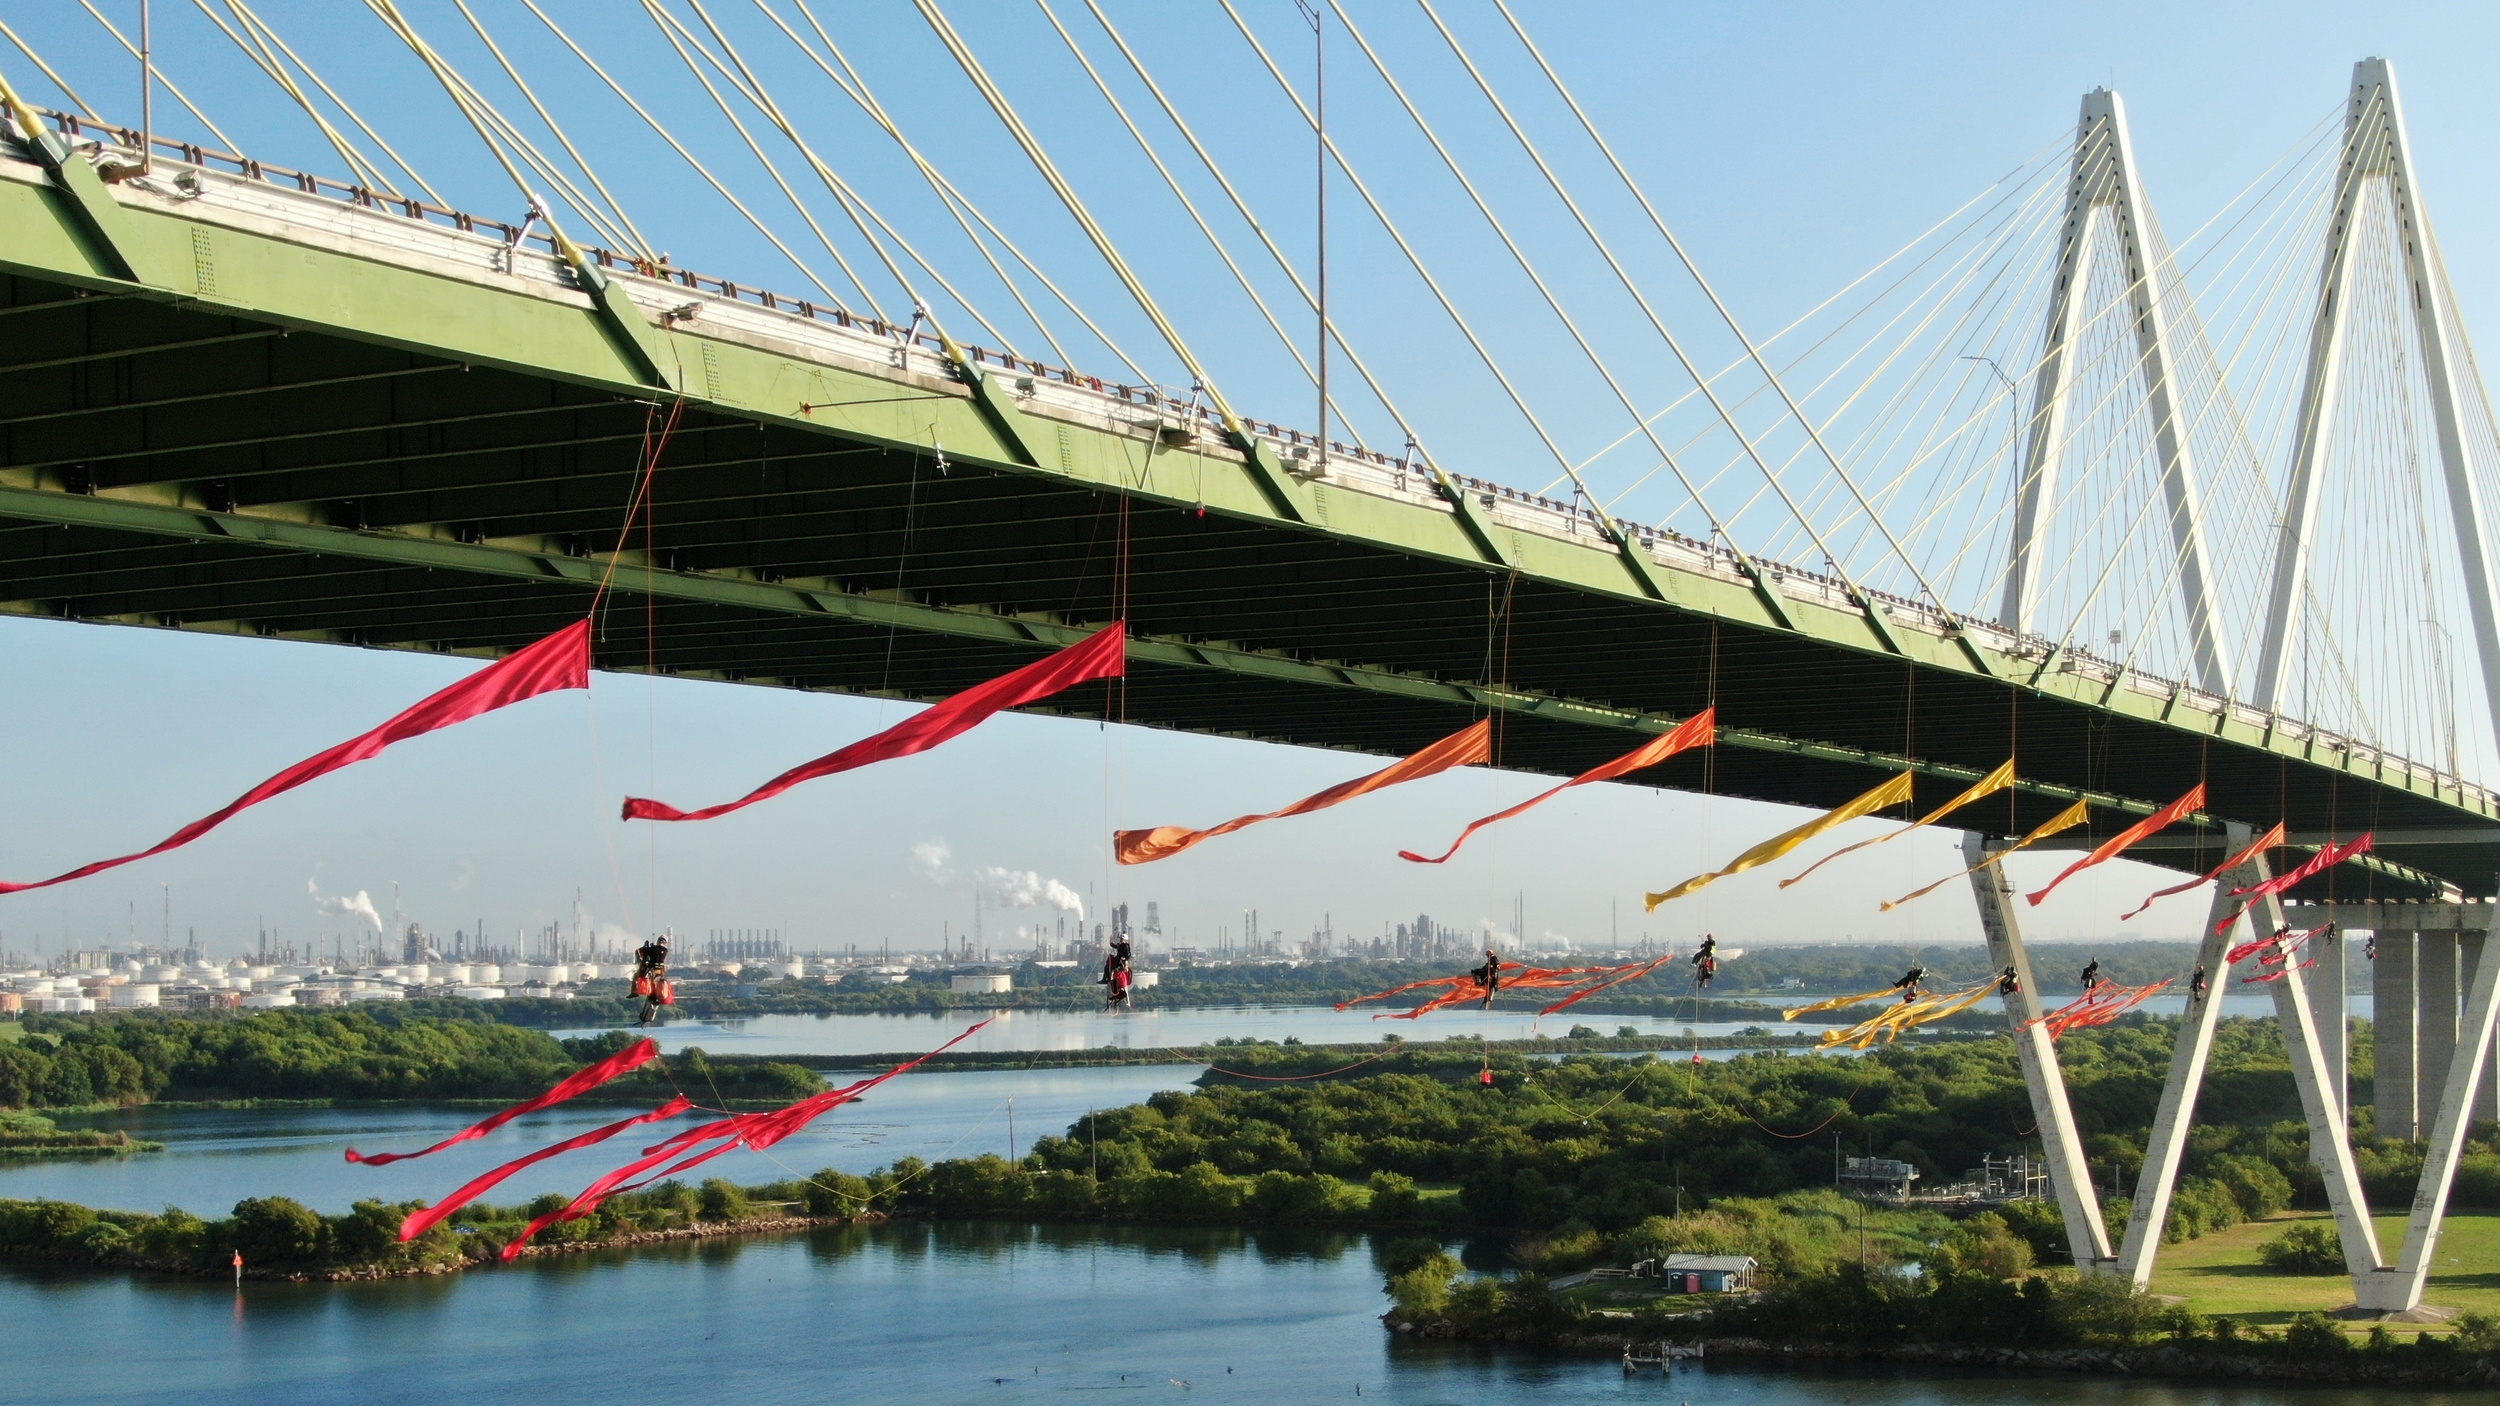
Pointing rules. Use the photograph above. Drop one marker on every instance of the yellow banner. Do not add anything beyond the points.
(2066, 819)
(1837, 1002)
(1909, 1015)
(2001, 779)
(1891, 793)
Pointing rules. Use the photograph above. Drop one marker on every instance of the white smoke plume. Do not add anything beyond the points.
(1022, 888)
(933, 860)
(360, 906)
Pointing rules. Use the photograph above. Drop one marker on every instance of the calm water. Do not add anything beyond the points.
(213, 1159)
(1144, 1029)
(918, 1313)
(1149, 1028)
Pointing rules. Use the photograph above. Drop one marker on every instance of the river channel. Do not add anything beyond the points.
(932, 1314)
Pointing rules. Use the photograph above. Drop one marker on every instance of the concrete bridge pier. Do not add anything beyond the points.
(2392, 1030)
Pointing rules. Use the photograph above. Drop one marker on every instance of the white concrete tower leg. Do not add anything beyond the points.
(2329, 1147)
(2330, 1003)
(2399, 1287)
(2044, 448)
(2069, 1171)
(2171, 1118)
(2486, 1094)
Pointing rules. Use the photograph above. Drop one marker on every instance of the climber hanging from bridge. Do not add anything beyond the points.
(1908, 984)
(651, 978)
(2092, 974)
(1489, 976)
(1117, 973)
(2009, 981)
(1706, 961)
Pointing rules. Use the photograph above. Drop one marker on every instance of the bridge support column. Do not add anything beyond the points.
(2434, 1021)
(2331, 1001)
(2399, 1287)
(2069, 1172)
(2171, 1118)
(2330, 1148)
(2470, 948)
(2391, 1025)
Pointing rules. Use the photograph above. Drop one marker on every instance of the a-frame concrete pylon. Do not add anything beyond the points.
(2105, 187)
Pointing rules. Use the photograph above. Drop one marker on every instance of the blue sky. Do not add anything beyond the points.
(1792, 145)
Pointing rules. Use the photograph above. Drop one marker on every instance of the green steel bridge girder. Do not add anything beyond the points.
(234, 284)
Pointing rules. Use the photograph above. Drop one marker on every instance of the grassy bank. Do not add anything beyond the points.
(27, 1135)
(2224, 1273)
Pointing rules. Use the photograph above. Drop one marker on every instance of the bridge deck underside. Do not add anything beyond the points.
(149, 400)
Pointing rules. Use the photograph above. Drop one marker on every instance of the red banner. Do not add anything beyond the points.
(422, 1221)
(580, 1081)
(561, 660)
(2186, 805)
(2324, 859)
(1470, 746)
(1101, 655)
(1699, 730)
(757, 1130)
(2264, 842)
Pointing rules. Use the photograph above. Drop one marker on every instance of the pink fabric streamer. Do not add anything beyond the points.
(2326, 858)
(580, 1081)
(560, 661)
(749, 1130)
(1101, 655)
(420, 1222)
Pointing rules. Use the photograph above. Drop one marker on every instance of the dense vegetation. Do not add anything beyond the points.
(350, 1053)
(32, 1135)
(280, 1235)
(1584, 1152)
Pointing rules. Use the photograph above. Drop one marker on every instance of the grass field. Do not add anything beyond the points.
(2221, 1274)
(10, 1030)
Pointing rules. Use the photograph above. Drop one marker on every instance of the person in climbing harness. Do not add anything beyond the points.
(2196, 987)
(2009, 982)
(2092, 974)
(1489, 976)
(2369, 948)
(1706, 961)
(651, 978)
(1908, 984)
(1115, 973)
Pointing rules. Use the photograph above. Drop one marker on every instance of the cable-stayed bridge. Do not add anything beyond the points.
(2039, 484)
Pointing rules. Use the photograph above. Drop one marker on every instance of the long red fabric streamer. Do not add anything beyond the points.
(2105, 1002)
(1469, 746)
(420, 1222)
(2288, 940)
(751, 1130)
(2186, 805)
(580, 1081)
(1515, 976)
(2264, 842)
(2326, 858)
(1699, 730)
(1101, 655)
(561, 660)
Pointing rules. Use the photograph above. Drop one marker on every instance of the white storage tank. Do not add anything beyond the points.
(1143, 979)
(486, 975)
(162, 976)
(417, 972)
(586, 971)
(480, 993)
(981, 983)
(458, 975)
(135, 995)
(268, 1000)
(792, 968)
(317, 995)
(378, 993)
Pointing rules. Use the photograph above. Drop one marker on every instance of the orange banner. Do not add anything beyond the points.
(1699, 730)
(2264, 842)
(2117, 844)
(1470, 746)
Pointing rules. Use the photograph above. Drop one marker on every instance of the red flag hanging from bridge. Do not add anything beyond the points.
(2264, 842)
(2324, 859)
(753, 1130)
(2117, 844)
(1470, 746)
(420, 1222)
(580, 1081)
(560, 661)
(1699, 730)
(1101, 655)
